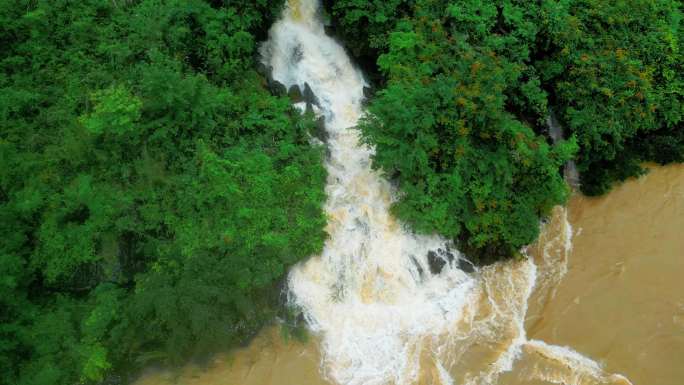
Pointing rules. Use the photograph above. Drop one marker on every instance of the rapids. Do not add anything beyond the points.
(369, 295)
(614, 293)
(377, 314)
(381, 315)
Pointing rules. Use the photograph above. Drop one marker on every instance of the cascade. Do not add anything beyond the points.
(390, 306)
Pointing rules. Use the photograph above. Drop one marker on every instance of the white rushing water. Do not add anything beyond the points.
(384, 318)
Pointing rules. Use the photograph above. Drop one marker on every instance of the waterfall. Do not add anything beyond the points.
(556, 133)
(391, 307)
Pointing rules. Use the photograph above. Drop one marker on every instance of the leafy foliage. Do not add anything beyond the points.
(615, 68)
(467, 89)
(152, 192)
(468, 168)
(364, 25)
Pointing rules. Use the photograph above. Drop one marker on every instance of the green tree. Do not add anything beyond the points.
(615, 70)
(467, 86)
(467, 167)
(152, 192)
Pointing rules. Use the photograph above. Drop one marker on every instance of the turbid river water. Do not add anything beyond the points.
(620, 301)
(598, 301)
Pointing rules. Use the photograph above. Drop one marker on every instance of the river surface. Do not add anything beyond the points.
(597, 301)
(620, 302)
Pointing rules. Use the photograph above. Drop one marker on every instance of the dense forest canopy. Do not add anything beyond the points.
(153, 192)
(466, 87)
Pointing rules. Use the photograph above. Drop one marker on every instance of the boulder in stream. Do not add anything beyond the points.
(419, 268)
(309, 96)
(295, 94)
(277, 88)
(438, 259)
(320, 132)
(368, 92)
(466, 265)
(436, 262)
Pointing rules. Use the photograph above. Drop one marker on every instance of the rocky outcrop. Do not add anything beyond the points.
(320, 132)
(438, 259)
(441, 257)
(309, 96)
(295, 94)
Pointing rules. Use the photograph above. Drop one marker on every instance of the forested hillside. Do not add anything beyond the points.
(152, 191)
(465, 88)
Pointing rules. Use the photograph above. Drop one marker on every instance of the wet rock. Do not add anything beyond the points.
(438, 259)
(309, 96)
(321, 133)
(436, 262)
(368, 92)
(447, 254)
(466, 265)
(417, 265)
(295, 94)
(262, 68)
(557, 133)
(277, 88)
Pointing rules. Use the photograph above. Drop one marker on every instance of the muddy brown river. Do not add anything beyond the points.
(616, 297)
(622, 299)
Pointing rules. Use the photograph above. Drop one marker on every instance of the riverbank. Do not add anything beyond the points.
(619, 302)
(622, 300)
